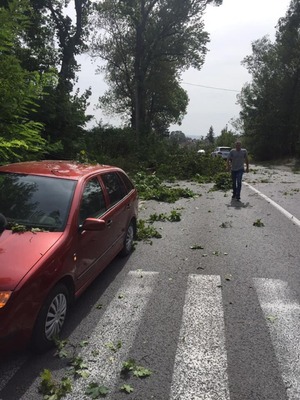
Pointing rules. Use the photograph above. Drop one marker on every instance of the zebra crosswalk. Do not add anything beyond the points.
(201, 363)
(118, 325)
(283, 312)
(200, 370)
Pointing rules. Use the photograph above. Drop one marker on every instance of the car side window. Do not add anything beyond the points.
(127, 182)
(114, 186)
(92, 202)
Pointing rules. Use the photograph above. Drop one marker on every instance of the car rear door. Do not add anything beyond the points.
(93, 250)
(120, 202)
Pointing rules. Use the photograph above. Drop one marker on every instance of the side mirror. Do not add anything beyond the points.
(93, 224)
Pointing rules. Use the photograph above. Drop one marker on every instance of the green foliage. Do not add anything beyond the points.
(137, 370)
(61, 351)
(150, 187)
(210, 137)
(270, 103)
(258, 223)
(187, 164)
(95, 390)
(147, 44)
(175, 216)
(166, 158)
(227, 138)
(79, 367)
(108, 145)
(196, 247)
(51, 389)
(126, 388)
(20, 135)
(146, 232)
(114, 347)
(223, 181)
(36, 103)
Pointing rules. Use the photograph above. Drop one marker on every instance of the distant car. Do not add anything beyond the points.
(221, 151)
(61, 223)
(201, 151)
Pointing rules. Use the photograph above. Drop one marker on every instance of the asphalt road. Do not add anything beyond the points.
(212, 308)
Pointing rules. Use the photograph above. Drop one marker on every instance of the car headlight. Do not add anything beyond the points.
(4, 296)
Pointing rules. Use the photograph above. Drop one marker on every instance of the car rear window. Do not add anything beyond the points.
(36, 201)
(114, 186)
(224, 148)
(127, 182)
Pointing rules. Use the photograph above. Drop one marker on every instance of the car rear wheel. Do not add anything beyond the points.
(50, 319)
(128, 241)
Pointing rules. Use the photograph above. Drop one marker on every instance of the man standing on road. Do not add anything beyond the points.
(235, 163)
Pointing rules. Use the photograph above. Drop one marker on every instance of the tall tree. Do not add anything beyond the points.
(20, 89)
(146, 45)
(270, 103)
(64, 115)
(226, 138)
(51, 42)
(288, 40)
(210, 137)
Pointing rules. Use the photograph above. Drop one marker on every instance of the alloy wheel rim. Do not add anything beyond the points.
(55, 316)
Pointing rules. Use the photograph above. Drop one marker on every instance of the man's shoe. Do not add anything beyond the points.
(238, 199)
(233, 196)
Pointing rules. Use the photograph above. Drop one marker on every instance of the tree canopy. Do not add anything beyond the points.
(270, 103)
(20, 137)
(146, 45)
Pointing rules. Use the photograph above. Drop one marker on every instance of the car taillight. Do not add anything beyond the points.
(4, 296)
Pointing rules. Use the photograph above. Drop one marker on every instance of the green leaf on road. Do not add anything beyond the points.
(271, 318)
(258, 223)
(196, 247)
(141, 372)
(126, 388)
(94, 390)
(137, 370)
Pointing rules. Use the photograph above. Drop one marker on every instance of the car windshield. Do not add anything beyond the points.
(224, 148)
(35, 201)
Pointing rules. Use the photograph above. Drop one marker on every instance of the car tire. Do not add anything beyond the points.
(51, 318)
(128, 240)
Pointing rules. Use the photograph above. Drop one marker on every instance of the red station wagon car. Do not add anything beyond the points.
(61, 224)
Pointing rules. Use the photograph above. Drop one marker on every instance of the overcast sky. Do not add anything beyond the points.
(232, 26)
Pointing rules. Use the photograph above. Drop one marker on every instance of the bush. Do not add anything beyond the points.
(223, 181)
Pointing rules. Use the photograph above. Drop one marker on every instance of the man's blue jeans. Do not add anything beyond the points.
(236, 177)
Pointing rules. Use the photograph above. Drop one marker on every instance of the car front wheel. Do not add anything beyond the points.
(50, 319)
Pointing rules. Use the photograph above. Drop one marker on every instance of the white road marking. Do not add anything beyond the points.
(200, 371)
(118, 325)
(283, 315)
(277, 206)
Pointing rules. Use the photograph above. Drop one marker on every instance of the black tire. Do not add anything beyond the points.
(50, 319)
(128, 241)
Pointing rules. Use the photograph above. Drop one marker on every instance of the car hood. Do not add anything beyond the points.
(19, 252)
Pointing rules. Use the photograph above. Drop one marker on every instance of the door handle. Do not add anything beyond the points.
(108, 223)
